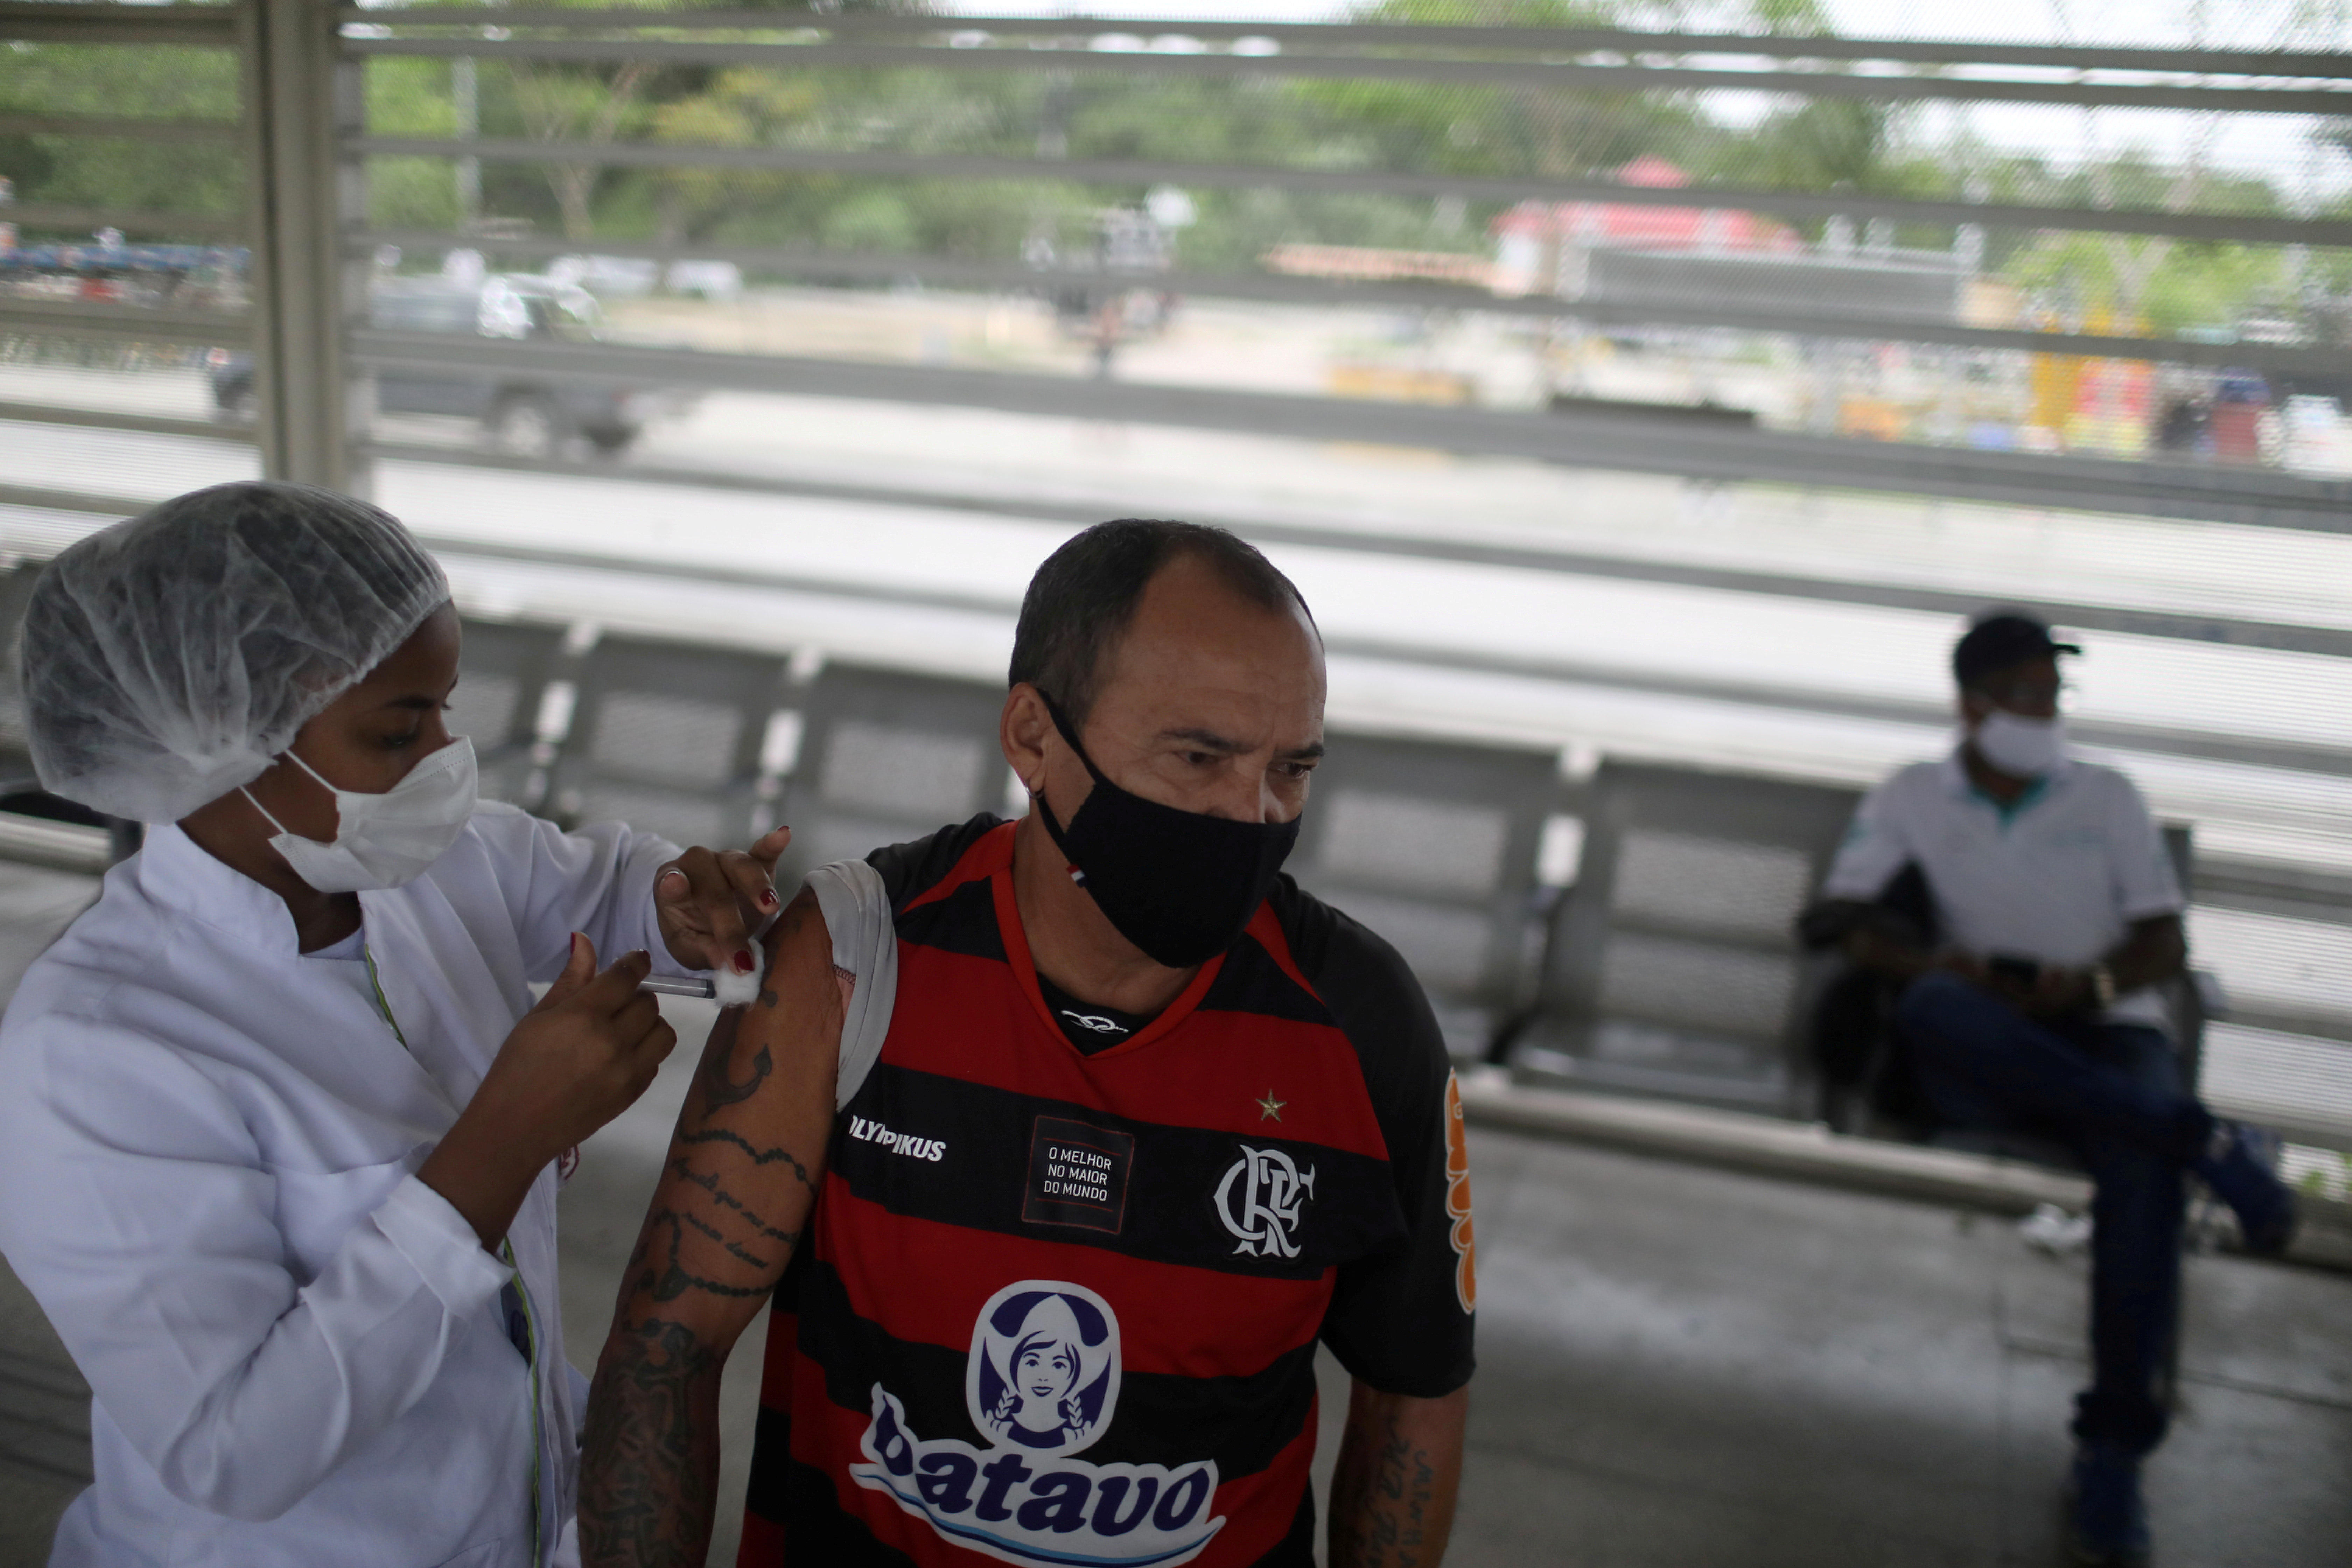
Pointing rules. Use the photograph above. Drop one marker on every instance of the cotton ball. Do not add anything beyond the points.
(730, 989)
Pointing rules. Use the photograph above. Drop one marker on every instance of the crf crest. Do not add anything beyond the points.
(1261, 1199)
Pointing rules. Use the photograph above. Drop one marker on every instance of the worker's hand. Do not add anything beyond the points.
(709, 902)
(579, 1058)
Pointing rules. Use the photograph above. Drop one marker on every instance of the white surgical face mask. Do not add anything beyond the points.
(2024, 748)
(385, 840)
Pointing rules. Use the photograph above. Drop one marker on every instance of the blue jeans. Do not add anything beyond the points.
(2112, 1094)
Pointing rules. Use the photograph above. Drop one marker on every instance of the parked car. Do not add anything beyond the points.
(521, 414)
(618, 277)
(720, 282)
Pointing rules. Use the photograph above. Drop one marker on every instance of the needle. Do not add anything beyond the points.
(663, 985)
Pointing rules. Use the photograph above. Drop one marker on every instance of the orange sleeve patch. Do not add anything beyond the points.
(1457, 1198)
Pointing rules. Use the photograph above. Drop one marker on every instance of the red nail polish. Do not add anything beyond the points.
(743, 960)
(767, 900)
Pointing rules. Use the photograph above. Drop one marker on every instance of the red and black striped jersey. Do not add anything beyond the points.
(1062, 1308)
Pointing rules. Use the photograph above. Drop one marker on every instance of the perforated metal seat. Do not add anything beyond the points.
(669, 738)
(884, 757)
(16, 757)
(20, 789)
(1675, 971)
(504, 672)
(1436, 848)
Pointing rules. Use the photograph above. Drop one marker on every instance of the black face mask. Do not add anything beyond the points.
(1177, 884)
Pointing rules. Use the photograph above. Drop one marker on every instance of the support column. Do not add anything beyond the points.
(301, 100)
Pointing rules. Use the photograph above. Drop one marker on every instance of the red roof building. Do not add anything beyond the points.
(1532, 231)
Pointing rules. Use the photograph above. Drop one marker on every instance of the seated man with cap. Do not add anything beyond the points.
(2034, 1007)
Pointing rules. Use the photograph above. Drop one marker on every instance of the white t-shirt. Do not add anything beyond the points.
(2059, 876)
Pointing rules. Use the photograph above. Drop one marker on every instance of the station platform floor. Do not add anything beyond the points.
(1678, 1366)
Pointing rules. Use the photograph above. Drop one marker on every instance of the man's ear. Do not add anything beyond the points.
(1023, 731)
(1973, 707)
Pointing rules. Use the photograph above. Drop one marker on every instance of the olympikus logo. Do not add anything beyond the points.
(1042, 1384)
(864, 1132)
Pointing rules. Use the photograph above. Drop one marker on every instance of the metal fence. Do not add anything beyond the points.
(1692, 382)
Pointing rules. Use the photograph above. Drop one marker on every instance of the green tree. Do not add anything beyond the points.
(119, 79)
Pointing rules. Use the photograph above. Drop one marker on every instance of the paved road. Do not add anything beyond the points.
(934, 585)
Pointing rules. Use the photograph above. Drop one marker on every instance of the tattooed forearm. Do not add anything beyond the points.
(724, 1220)
(709, 1183)
(666, 1278)
(716, 1091)
(1392, 1494)
(650, 1464)
(758, 1156)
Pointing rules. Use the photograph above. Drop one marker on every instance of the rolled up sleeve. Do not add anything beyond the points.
(134, 1206)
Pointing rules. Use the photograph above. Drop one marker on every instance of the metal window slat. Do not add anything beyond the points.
(2276, 755)
(72, 500)
(132, 322)
(1275, 289)
(1376, 35)
(1627, 79)
(107, 419)
(2279, 755)
(2076, 615)
(64, 215)
(1629, 442)
(120, 127)
(967, 167)
(213, 26)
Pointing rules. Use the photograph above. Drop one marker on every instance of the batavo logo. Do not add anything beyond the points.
(1457, 1199)
(1042, 1382)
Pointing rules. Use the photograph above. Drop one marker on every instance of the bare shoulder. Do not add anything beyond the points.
(801, 973)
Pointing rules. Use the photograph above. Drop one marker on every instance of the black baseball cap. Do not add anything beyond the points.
(2000, 640)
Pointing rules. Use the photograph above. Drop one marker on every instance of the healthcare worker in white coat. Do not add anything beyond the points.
(279, 1121)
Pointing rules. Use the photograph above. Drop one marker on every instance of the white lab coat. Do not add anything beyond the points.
(207, 1154)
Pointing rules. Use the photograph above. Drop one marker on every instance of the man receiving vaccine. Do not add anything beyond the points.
(2033, 1005)
(1145, 1125)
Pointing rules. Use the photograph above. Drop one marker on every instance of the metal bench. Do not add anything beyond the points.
(505, 673)
(883, 756)
(676, 738)
(1675, 970)
(36, 826)
(1440, 849)
(16, 591)
(2279, 1050)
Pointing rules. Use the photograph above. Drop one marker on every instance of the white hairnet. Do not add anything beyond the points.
(169, 659)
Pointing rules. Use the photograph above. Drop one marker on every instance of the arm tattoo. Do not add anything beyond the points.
(716, 1091)
(1382, 1505)
(673, 1279)
(721, 1196)
(758, 1156)
(650, 1461)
